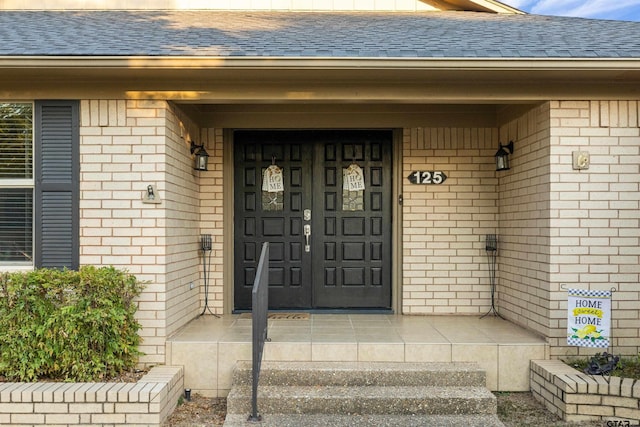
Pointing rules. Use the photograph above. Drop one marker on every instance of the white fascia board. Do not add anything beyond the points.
(347, 63)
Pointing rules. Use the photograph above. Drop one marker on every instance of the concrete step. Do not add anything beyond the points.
(363, 374)
(364, 394)
(323, 420)
(390, 400)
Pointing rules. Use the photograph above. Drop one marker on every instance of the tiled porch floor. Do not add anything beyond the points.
(209, 347)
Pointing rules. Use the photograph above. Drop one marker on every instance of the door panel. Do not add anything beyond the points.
(290, 283)
(349, 262)
(352, 248)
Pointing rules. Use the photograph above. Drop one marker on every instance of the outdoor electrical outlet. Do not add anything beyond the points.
(191, 285)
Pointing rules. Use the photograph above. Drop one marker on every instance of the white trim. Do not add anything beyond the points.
(17, 183)
(11, 268)
(321, 63)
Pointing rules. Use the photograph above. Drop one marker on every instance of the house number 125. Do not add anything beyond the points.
(427, 177)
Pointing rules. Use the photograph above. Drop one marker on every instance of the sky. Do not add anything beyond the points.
(625, 10)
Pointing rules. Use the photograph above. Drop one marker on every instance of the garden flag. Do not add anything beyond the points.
(589, 318)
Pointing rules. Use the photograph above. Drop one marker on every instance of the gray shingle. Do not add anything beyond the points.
(300, 34)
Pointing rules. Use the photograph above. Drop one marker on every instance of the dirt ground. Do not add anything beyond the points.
(514, 410)
(200, 411)
(522, 410)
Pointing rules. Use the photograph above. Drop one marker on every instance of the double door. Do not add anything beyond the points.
(322, 199)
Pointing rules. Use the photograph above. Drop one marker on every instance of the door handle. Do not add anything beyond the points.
(307, 236)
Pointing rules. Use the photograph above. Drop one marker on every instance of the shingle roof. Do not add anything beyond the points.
(313, 35)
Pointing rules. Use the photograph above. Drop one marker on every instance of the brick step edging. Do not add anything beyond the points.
(148, 402)
(576, 397)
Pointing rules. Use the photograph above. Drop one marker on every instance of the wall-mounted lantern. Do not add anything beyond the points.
(202, 157)
(502, 156)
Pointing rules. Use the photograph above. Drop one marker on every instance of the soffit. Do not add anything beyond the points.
(342, 115)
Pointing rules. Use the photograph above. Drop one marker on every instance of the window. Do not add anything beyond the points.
(16, 183)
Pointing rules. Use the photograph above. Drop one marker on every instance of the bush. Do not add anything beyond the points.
(68, 325)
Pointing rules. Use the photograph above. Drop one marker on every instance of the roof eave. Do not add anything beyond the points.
(320, 80)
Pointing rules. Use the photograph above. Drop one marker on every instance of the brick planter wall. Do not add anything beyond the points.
(575, 396)
(145, 403)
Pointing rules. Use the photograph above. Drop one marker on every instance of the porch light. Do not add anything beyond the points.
(202, 157)
(502, 156)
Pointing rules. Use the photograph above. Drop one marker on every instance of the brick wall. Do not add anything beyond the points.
(523, 255)
(182, 198)
(595, 213)
(211, 216)
(125, 146)
(556, 226)
(566, 228)
(444, 226)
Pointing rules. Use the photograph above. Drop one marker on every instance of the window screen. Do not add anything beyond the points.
(16, 225)
(16, 183)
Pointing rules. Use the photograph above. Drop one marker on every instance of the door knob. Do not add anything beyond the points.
(307, 236)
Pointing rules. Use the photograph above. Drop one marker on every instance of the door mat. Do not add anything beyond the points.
(281, 316)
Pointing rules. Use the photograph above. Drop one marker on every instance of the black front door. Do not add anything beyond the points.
(330, 244)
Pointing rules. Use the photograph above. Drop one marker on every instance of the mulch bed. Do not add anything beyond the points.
(200, 411)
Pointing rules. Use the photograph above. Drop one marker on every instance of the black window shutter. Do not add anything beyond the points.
(57, 188)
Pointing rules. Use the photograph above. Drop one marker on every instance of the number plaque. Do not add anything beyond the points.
(427, 177)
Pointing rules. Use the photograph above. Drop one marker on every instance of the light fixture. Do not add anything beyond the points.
(202, 157)
(502, 156)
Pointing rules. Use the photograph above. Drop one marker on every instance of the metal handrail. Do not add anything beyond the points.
(259, 312)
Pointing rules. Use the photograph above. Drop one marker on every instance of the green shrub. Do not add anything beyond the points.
(68, 325)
